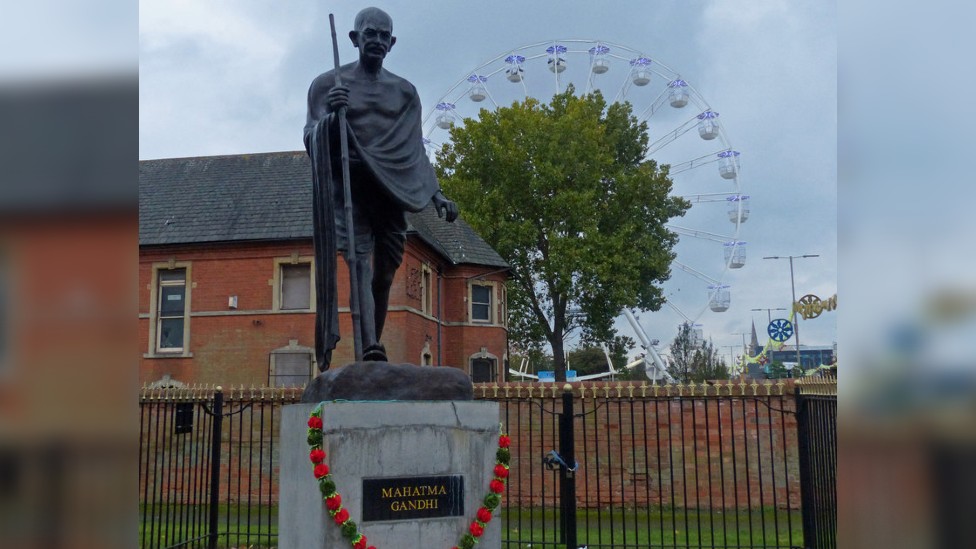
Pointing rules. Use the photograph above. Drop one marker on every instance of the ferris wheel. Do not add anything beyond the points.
(684, 132)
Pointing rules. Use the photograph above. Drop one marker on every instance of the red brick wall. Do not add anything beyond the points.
(697, 449)
(232, 347)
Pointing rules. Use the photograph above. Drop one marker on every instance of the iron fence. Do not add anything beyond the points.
(817, 435)
(610, 464)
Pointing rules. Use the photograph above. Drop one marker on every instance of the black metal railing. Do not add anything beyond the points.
(675, 466)
(817, 441)
(610, 464)
(208, 466)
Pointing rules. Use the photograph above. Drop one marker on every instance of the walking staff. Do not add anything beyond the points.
(347, 206)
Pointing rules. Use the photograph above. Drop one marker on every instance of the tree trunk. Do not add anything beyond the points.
(558, 355)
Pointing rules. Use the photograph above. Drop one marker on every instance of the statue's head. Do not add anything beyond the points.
(373, 34)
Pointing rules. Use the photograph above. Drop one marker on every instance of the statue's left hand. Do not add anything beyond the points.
(445, 207)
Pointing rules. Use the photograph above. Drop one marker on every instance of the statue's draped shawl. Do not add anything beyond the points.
(324, 244)
(385, 136)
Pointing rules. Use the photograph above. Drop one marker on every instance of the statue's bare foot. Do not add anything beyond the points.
(375, 353)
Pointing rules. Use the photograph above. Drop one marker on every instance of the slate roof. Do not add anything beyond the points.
(263, 197)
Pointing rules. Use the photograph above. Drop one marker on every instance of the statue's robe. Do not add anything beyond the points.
(386, 138)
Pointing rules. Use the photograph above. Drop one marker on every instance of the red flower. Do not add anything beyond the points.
(320, 470)
(361, 543)
(496, 486)
(476, 529)
(501, 471)
(315, 422)
(484, 515)
(333, 502)
(341, 516)
(504, 441)
(316, 455)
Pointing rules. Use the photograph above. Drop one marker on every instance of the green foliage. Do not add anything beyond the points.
(587, 360)
(492, 501)
(467, 542)
(778, 370)
(539, 360)
(350, 530)
(563, 192)
(695, 362)
(327, 487)
(314, 437)
(503, 456)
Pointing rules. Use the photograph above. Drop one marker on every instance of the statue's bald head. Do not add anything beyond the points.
(368, 14)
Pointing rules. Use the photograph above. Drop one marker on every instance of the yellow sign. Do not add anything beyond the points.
(811, 306)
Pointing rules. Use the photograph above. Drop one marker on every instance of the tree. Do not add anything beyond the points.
(565, 195)
(695, 361)
(587, 360)
(590, 359)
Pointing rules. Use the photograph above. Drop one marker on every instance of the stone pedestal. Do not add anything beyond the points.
(387, 441)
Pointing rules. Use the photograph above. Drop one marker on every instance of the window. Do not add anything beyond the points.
(426, 291)
(296, 286)
(293, 284)
(291, 366)
(481, 302)
(482, 370)
(171, 310)
(504, 306)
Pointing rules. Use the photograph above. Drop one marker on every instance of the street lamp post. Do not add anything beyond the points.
(796, 323)
(769, 314)
(731, 355)
(743, 334)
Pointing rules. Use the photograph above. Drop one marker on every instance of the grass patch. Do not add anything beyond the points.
(655, 527)
(621, 528)
(237, 526)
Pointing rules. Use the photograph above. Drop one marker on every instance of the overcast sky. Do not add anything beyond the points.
(231, 78)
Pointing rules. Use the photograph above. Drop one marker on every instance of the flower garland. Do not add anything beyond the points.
(350, 530)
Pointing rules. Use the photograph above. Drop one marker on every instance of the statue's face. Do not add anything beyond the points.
(374, 37)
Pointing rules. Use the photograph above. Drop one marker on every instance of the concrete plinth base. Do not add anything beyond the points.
(387, 440)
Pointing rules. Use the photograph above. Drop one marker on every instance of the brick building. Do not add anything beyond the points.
(226, 292)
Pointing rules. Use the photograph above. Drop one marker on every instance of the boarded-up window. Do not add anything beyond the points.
(296, 286)
(291, 369)
(482, 370)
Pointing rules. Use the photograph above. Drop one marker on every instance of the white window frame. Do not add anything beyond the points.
(154, 313)
(492, 303)
(277, 282)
